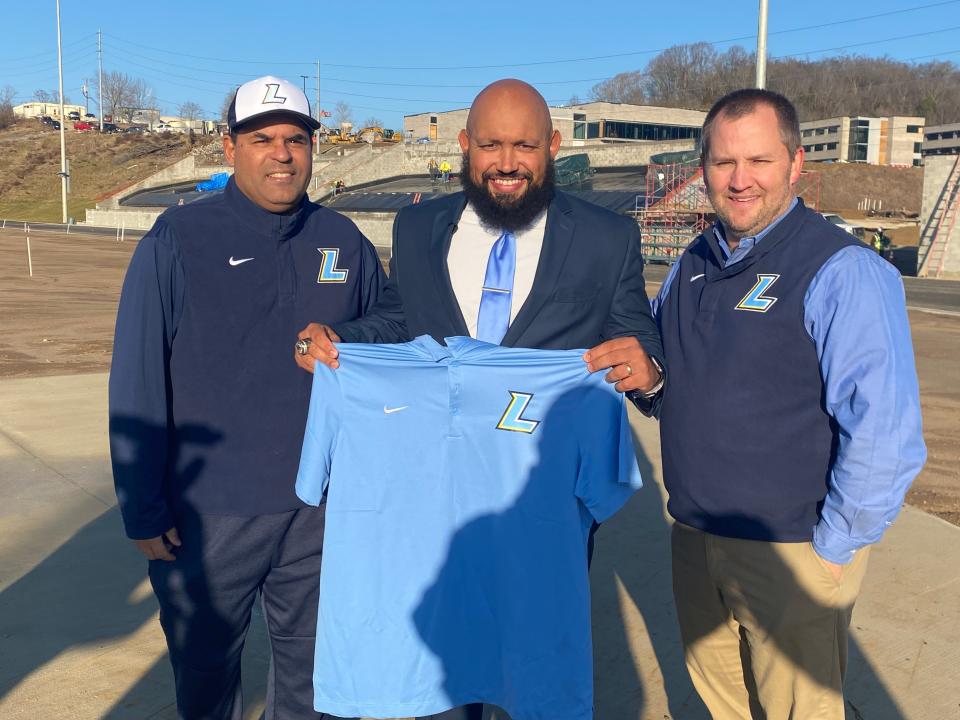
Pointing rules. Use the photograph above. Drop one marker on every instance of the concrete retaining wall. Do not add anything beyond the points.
(138, 219)
(936, 172)
(377, 226)
(363, 165)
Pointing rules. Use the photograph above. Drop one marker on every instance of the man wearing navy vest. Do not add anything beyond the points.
(207, 410)
(790, 424)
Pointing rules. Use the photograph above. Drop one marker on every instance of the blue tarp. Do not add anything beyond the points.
(217, 181)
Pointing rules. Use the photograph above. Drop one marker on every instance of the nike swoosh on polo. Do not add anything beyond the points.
(697, 277)
(391, 411)
(239, 261)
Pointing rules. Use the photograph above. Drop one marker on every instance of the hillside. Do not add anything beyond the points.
(99, 165)
(844, 185)
(103, 164)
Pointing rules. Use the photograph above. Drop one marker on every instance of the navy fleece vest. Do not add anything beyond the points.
(747, 444)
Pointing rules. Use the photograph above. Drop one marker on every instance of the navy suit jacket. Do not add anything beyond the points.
(588, 285)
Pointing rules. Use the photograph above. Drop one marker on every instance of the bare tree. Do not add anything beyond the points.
(225, 107)
(51, 96)
(141, 96)
(7, 118)
(124, 95)
(622, 88)
(190, 111)
(373, 121)
(695, 76)
(342, 113)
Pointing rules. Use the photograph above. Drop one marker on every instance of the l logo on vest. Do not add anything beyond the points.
(271, 98)
(329, 272)
(513, 419)
(755, 300)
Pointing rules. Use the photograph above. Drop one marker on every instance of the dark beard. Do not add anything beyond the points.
(499, 212)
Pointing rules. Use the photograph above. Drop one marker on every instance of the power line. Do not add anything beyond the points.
(555, 61)
(45, 53)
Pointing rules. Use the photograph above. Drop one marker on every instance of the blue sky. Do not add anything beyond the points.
(386, 60)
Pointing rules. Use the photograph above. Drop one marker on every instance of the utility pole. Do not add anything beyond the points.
(86, 97)
(64, 175)
(317, 109)
(762, 46)
(100, 72)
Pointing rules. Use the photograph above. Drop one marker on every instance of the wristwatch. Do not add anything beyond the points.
(658, 385)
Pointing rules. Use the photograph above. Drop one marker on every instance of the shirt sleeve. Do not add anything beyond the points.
(630, 306)
(374, 278)
(651, 406)
(855, 311)
(320, 436)
(384, 320)
(608, 474)
(151, 303)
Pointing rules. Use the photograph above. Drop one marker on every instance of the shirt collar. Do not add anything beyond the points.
(747, 243)
(264, 221)
(456, 347)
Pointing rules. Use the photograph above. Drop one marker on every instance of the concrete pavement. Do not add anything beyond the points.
(79, 636)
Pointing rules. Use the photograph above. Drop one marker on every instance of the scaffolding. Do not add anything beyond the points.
(674, 208)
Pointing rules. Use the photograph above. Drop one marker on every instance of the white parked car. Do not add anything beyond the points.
(855, 230)
(167, 127)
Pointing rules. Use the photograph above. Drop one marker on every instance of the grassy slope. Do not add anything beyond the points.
(99, 165)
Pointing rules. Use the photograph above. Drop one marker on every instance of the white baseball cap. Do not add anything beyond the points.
(269, 95)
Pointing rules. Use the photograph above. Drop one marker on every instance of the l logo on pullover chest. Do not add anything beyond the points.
(755, 300)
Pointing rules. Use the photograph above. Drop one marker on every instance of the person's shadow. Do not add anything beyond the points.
(508, 615)
(91, 591)
(632, 566)
(498, 557)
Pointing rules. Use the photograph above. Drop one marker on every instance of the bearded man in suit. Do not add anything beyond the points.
(570, 271)
(578, 277)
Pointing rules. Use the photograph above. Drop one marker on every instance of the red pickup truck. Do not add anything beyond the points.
(82, 126)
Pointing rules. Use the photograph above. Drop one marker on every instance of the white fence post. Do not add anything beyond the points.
(29, 253)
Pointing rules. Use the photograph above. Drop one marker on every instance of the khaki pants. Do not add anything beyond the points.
(764, 625)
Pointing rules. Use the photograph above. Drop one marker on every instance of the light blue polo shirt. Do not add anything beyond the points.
(461, 484)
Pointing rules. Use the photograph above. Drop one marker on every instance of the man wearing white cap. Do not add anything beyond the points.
(207, 409)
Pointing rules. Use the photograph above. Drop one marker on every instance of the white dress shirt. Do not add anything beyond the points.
(467, 263)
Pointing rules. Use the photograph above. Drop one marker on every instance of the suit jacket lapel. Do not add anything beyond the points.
(557, 238)
(444, 225)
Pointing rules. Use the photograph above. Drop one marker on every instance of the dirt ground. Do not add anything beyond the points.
(60, 321)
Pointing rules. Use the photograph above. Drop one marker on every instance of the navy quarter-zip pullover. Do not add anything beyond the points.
(212, 303)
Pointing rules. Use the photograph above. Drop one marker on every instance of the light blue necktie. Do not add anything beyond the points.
(494, 317)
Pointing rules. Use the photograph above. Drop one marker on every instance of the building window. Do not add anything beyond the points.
(819, 147)
(593, 130)
(620, 130)
(579, 126)
(821, 131)
(917, 162)
(807, 148)
(433, 119)
(831, 146)
(917, 147)
(807, 133)
(913, 128)
(833, 129)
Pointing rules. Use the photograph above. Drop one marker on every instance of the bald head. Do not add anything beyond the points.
(510, 97)
(508, 149)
